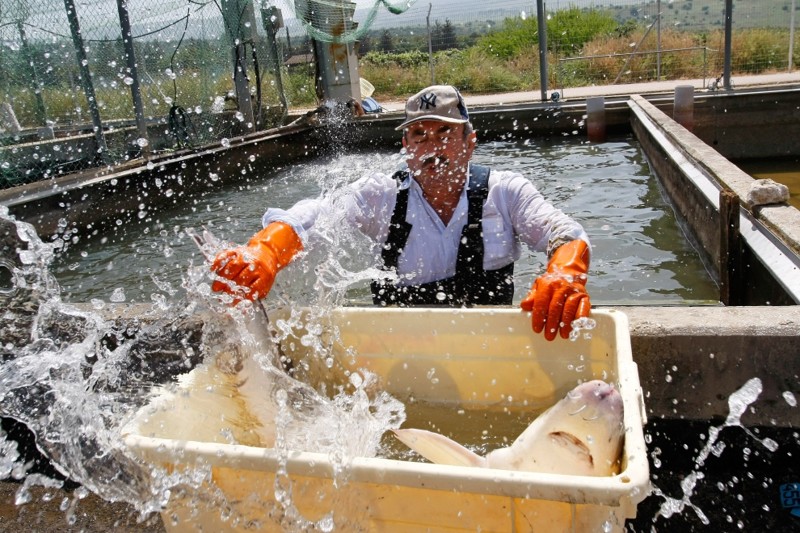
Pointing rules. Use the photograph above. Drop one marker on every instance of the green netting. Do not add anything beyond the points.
(322, 18)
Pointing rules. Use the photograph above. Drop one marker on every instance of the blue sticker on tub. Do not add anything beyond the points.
(790, 497)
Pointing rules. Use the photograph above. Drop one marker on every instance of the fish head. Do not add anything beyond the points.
(582, 434)
(588, 422)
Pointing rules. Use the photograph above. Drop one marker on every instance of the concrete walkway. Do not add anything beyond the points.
(577, 93)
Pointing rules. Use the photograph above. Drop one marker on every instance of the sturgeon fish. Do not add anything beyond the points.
(580, 435)
(257, 371)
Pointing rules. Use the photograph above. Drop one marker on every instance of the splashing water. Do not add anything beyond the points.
(738, 402)
(76, 378)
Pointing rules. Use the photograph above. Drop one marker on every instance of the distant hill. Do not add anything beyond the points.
(460, 11)
(686, 13)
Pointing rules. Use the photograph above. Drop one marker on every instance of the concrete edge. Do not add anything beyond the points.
(781, 219)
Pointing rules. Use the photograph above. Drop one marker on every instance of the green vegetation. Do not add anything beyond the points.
(506, 59)
(585, 47)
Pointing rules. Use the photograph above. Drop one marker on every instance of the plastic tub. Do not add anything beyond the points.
(482, 358)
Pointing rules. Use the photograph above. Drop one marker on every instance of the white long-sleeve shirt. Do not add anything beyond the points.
(515, 212)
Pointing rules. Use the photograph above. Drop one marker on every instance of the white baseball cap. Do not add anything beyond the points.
(437, 102)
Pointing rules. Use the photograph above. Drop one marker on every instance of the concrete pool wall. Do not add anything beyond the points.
(87, 200)
(752, 250)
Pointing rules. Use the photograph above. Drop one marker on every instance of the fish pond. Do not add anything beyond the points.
(641, 255)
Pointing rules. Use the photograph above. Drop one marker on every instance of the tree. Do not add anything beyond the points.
(443, 37)
(365, 45)
(448, 36)
(386, 43)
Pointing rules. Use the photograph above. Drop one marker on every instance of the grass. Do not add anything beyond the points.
(755, 50)
(475, 69)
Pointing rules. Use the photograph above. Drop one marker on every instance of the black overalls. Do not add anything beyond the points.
(471, 285)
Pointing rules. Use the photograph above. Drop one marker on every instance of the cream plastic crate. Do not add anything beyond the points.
(481, 358)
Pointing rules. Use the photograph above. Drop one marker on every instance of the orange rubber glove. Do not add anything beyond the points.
(559, 296)
(254, 266)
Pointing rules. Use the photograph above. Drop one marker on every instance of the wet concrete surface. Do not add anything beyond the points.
(69, 508)
(90, 514)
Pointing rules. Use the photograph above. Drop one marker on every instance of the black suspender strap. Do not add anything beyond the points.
(470, 252)
(471, 283)
(399, 229)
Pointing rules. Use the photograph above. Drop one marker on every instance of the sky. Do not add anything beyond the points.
(99, 18)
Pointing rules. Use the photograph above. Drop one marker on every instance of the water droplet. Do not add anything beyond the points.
(142, 142)
(770, 444)
(326, 524)
(127, 80)
(789, 397)
(225, 142)
(118, 295)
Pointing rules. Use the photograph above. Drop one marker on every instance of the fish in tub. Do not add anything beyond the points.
(580, 435)
(244, 391)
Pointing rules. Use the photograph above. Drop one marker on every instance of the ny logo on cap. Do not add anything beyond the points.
(427, 101)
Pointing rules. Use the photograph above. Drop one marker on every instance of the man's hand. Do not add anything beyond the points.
(252, 268)
(559, 296)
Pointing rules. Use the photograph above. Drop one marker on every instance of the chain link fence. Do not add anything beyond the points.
(65, 67)
(186, 54)
(492, 47)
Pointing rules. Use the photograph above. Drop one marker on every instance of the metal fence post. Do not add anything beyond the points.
(130, 57)
(791, 36)
(658, 40)
(726, 73)
(41, 110)
(542, 30)
(430, 44)
(86, 80)
(272, 19)
(234, 13)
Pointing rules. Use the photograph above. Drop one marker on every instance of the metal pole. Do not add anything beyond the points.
(542, 30)
(630, 56)
(272, 19)
(658, 40)
(41, 109)
(232, 14)
(726, 73)
(430, 45)
(791, 36)
(130, 58)
(86, 80)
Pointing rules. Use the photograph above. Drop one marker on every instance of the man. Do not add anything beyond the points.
(449, 230)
